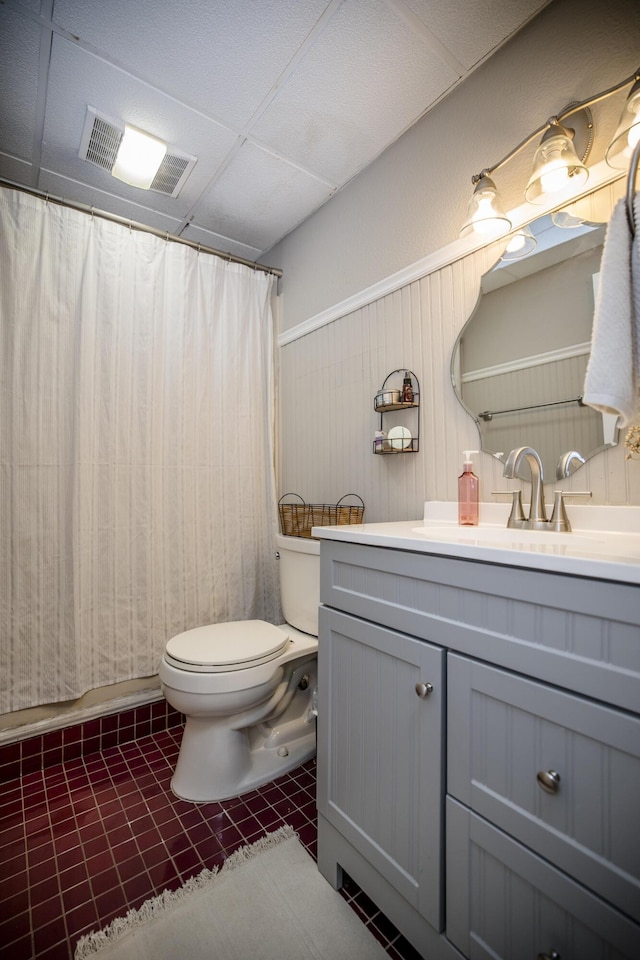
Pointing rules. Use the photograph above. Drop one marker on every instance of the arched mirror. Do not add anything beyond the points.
(519, 364)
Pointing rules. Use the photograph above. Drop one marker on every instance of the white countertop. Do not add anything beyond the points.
(610, 553)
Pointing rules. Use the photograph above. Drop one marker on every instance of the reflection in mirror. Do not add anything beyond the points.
(519, 364)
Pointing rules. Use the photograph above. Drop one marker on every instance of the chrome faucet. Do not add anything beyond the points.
(537, 512)
(559, 521)
(566, 462)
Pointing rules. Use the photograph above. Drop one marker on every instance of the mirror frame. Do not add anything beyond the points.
(609, 430)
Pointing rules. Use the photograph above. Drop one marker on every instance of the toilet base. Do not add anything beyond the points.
(219, 764)
(238, 739)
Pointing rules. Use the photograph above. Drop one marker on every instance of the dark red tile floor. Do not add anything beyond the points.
(85, 841)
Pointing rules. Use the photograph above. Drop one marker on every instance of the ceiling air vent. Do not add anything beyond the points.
(101, 138)
(172, 173)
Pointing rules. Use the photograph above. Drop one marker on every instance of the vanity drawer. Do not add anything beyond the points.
(573, 632)
(506, 903)
(507, 733)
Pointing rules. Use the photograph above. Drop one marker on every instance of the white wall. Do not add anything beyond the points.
(329, 377)
(413, 199)
(407, 205)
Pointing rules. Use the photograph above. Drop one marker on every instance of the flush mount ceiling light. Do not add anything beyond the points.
(559, 169)
(139, 157)
(100, 144)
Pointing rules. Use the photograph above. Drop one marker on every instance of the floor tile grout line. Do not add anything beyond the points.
(27, 868)
(73, 809)
(169, 857)
(72, 937)
(130, 778)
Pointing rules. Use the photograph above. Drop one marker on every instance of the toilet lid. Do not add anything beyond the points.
(227, 646)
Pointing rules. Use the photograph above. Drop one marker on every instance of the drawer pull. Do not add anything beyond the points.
(549, 781)
(549, 956)
(424, 689)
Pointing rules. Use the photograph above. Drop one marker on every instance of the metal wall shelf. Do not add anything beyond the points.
(389, 400)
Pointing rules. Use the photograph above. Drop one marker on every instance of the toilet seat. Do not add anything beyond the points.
(222, 647)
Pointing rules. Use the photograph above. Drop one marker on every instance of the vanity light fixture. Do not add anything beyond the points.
(485, 215)
(556, 165)
(566, 220)
(139, 157)
(559, 164)
(520, 245)
(628, 133)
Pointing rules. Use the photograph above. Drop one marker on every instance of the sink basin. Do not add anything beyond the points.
(604, 543)
(508, 538)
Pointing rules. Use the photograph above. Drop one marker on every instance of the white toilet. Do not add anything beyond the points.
(248, 688)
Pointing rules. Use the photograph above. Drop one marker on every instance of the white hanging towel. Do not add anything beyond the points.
(612, 381)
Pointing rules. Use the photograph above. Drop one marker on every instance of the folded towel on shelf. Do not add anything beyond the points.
(612, 382)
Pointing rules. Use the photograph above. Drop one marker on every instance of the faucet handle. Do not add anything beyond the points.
(516, 517)
(559, 520)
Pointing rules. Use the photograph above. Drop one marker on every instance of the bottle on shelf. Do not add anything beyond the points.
(379, 441)
(468, 493)
(407, 388)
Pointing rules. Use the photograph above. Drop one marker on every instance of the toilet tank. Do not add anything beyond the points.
(299, 581)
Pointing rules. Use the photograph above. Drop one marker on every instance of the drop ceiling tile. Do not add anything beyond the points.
(221, 58)
(367, 79)
(493, 22)
(30, 6)
(259, 198)
(18, 171)
(62, 188)
(78, 78)
(224, 244)
(19, 57)
(196, 74)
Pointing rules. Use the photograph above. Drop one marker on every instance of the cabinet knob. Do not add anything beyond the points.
(549, 781)
(552, 955)
(424, 689)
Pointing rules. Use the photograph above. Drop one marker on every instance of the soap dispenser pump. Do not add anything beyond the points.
(468, 493)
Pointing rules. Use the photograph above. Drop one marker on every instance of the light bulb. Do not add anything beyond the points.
(627, 134)
(516, 243)
(556, 166)
(484, 216)
(520, 245)
(554, 178)
(484, 224)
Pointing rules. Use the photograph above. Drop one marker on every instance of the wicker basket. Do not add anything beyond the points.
(297, 519)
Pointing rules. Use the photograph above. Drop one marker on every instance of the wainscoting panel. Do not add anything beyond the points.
(328, 379)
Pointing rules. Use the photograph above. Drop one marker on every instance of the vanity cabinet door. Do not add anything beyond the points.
(558, 772)
(380, 775)
(506, 903)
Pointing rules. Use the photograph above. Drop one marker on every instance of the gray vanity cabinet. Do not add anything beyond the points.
(560, 775)
(381, 704)
(506, 903)
(558, 772)
(509, 827)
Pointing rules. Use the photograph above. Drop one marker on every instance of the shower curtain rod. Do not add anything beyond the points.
(133, 225)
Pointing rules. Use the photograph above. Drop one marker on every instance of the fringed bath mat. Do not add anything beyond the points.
(268, 902)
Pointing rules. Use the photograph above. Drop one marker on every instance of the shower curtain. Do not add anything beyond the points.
(136, 449)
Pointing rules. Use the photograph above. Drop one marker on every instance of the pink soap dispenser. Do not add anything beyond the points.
(468, 490)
